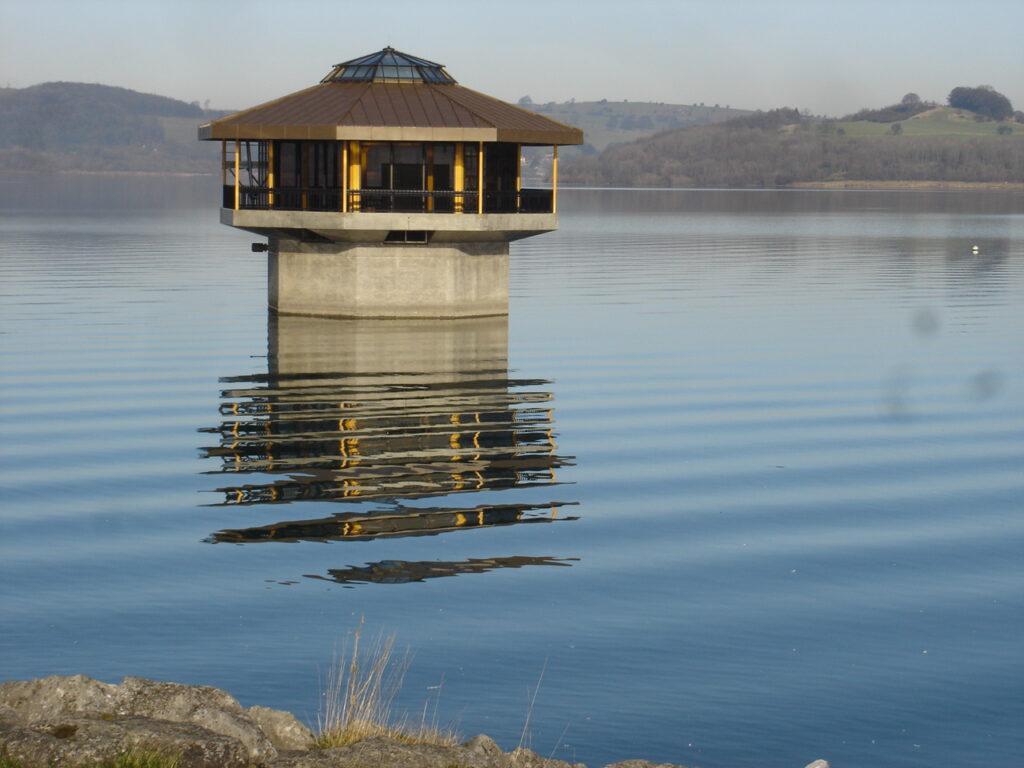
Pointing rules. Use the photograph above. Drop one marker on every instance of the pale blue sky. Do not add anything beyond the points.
(827, 57)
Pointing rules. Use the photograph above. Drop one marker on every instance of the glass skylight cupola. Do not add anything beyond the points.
(389, 66)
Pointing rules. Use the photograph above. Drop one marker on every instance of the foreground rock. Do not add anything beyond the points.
(78, 722)
(80, 741)
(478, 752)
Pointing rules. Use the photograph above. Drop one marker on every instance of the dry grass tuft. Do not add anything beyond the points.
(145, 757)
(135, 757)
(361, 687)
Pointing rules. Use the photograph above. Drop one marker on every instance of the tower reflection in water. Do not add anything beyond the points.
(377, 413)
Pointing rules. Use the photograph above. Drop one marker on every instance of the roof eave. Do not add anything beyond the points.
(546, 138)
(242, 132)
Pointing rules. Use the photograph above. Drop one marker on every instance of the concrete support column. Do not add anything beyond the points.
(380, 280)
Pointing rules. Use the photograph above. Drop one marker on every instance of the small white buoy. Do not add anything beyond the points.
(974, 249)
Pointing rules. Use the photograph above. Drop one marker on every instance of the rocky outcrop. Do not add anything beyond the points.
(78, 722)
(84, 741)
(112, 713)
(282, 728)
(479, 752)
(56, 696)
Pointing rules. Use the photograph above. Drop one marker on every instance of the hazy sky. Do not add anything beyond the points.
(828, 57)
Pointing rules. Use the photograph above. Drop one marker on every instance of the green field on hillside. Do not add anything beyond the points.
(941, 121)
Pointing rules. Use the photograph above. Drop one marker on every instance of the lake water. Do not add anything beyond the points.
(738, 483)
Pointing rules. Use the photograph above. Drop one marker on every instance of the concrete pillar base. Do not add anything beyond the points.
(382, 280)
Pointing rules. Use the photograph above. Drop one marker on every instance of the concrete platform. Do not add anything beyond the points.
(374, 227)
(327, 264)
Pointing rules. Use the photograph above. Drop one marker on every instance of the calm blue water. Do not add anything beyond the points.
(739, 482)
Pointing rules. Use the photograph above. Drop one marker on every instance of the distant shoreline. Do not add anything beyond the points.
(1014, 186)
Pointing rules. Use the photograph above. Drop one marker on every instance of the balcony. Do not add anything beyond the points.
(328, 199)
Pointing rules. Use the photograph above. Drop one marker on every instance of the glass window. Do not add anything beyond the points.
(470, 163)
(288, 157)
(408, 167)
(323, 164)
(395, 166)
(443, 169)
(377, 174)
(500, 166)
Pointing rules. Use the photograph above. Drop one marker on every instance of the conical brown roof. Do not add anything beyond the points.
(382, 108)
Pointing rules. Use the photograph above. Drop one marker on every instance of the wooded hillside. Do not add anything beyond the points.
(81, 126)
(607, 122)
(781, 147)
(977, 138)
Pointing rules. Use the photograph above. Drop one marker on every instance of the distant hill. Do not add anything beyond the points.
(89, 127)
(609, 122)
(781, 147)
(83, 126)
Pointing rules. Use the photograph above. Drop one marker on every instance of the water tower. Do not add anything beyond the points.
(387, 190)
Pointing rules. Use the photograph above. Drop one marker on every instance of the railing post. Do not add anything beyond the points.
(519, 178)
(354, 170)
(460, 177)
(344, 177)
(429, 168)
(480, 178)
(554, 180)
(270, 174)
(238, 175)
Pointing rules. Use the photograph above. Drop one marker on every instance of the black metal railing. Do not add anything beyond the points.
(521, 201)
(284, 199)
(302, 199)
(387, 200)
(411, 201)
(536, 200)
